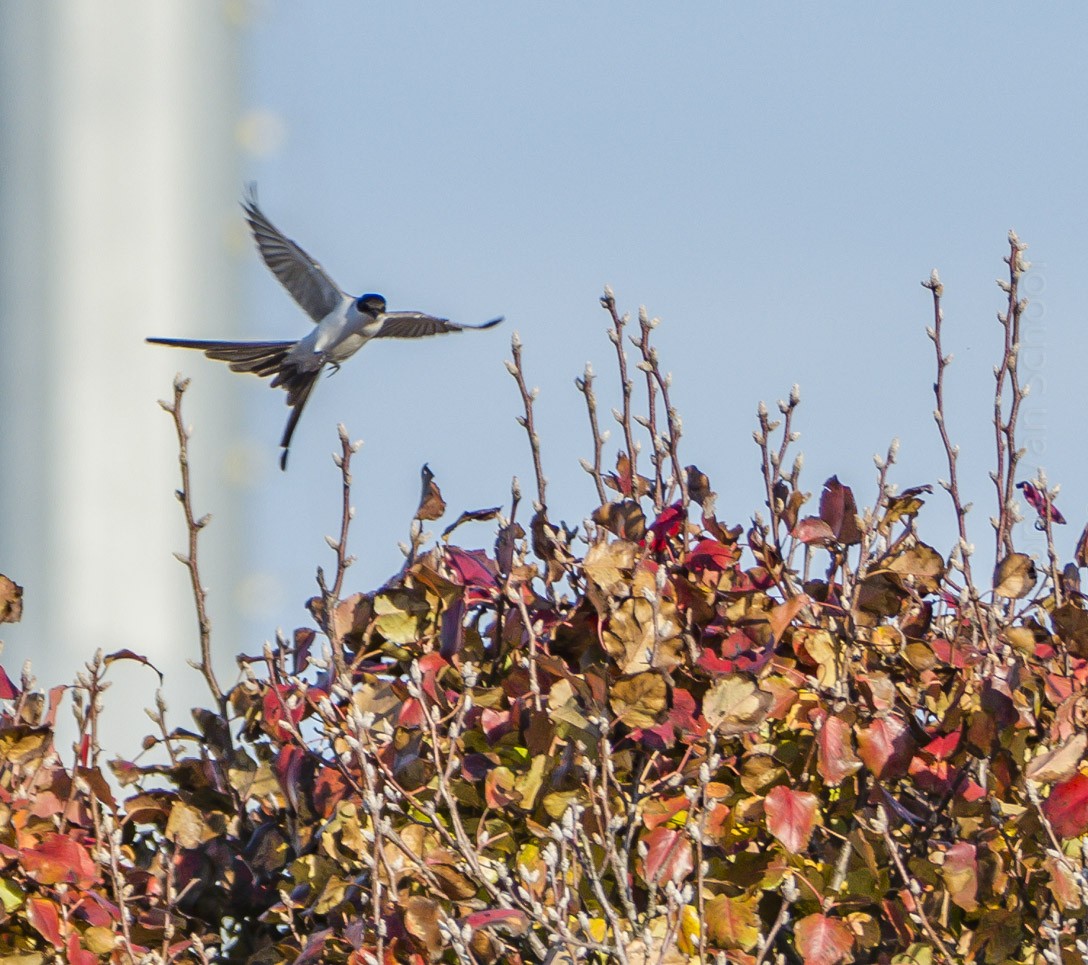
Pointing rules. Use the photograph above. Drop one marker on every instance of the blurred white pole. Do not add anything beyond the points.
(119, 181)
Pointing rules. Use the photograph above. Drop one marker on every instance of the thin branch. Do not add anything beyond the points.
(952, 486)
(615, 335)
(585, 386)
(526, 421)
(190, 561)
(1008, 455)
(647, 365)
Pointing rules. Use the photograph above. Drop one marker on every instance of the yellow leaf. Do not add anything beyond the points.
(688, 939)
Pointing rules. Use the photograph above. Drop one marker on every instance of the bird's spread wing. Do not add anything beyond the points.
(300, 274)
(418, 325)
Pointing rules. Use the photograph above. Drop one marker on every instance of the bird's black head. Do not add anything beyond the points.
(370, 304)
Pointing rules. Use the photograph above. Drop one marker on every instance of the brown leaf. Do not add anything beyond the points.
(735, 704)
(639, 639)
(625, 519)
(1071, 625)
(11, 600)
(1015, 576)
(1080, 555)
(905, 504)
(641, 700)
(421, 920)
(431, 503)
(609, 565)
(782, 615)
(924, 564)
(471, 516)
(698, 485)
(1059, 763)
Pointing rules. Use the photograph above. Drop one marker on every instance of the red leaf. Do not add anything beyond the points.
(886, 747)
(514, 921)
(791, 816)
(836, 759)
(42, 914)
(811, 529)
(473, 567)
(8, 690)
(822, 940)
(60, 858)
(666, 525)
(839, 510)
(944, 747)
(668, 856)
(77, 954)
(709, 554)
(1067, 807)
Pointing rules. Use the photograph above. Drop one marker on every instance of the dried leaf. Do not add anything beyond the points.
(1015, 576)
(736, 705)
(625, 519)
(11, 600)
(960, 873)
(1059, 763)
(640, 700)
(609, 566)
(431, 503)
(922, 563)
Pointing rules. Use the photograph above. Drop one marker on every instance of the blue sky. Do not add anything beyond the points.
(772, 181)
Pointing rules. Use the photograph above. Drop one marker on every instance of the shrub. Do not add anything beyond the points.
(658, 738)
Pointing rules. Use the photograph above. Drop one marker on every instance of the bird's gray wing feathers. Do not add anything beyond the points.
(302, 276)
(418, 325)
(260, 358)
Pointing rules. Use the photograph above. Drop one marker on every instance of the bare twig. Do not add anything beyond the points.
(1008, 455)
(647, 365)
(652, 367)
(190, 562)
(330, 596)
(585, 386)
(526, 421)
(952, 485)
(615, 335)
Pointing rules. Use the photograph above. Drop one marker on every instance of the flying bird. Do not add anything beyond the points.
(344, 323)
